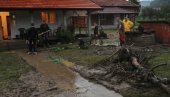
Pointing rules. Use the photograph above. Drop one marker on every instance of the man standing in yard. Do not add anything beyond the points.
(31, 39)
(44, 33)
(96, 33)
(128, 24)
(121, 32)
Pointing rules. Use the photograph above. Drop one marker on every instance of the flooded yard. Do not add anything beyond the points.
(84, 88)
(55, 74)
(70, 83)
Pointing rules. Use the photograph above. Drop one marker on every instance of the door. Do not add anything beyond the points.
(1, 29)
(4, 24)
(8, 27)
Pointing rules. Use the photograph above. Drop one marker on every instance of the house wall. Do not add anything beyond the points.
(108, 22)
(105, 19)
(22, 19)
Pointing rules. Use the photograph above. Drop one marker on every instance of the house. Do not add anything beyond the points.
(112, 9)
(19, 14)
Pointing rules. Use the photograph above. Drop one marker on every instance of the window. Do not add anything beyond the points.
(52, 17)
(102, 16)
(14, 22)
(49, 17)
(44, 16)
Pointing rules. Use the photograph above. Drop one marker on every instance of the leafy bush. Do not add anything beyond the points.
(66, 35)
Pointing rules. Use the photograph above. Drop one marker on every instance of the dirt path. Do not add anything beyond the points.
(70, 82)
(61, 74)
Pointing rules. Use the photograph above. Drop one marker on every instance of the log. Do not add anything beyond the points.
(165, 87)
(148, 75)
(136, 63)
(137, 60)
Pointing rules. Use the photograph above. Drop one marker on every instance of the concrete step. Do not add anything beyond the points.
(12, 45)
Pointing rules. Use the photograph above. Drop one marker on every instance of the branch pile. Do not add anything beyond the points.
(126, 65)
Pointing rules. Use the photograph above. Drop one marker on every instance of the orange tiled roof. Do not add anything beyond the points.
(50, 4)
(113, 3)
(113, 10)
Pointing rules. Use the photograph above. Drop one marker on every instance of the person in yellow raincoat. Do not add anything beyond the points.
(128, 25)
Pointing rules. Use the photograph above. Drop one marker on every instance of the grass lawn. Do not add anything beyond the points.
(79, 56)
(110, 31)
(145, 92)
(11, 68)
(162, 57)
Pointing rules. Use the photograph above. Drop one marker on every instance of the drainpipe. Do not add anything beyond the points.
(64, 21)
(32, 16)
(89, 23)
(1, 29)
(99, 19)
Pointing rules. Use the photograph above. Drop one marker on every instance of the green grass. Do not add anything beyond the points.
(138, 18)
(160, 58)
(110, 30)
(11, 68)
(80, 56)
(144, 92)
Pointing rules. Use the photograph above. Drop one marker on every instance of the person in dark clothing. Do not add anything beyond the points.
(31, 39)
(96, 33)
(140, 29)
(45, 33)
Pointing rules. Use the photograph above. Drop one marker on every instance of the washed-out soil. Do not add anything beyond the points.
(19, 79)
(117, 76)
(31, 84)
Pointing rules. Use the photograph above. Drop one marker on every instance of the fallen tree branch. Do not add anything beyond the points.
(152, 69)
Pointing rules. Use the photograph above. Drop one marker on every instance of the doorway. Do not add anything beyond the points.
(1, 29)
(4, 25)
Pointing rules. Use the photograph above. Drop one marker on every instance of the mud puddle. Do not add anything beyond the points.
(84, 88)
(69, 83)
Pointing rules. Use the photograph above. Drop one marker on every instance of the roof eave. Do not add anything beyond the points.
(78, 8)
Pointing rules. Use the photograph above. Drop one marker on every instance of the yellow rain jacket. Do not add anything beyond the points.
(127, 25)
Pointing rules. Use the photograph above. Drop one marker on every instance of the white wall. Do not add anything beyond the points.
(23, 19)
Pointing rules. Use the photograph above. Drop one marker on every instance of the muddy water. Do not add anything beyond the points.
(84, 88)
(93, 90)
(72, 84)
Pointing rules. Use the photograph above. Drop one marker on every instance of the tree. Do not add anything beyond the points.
(147, 12)
(162, 6)
(160, 3)
(135, 2)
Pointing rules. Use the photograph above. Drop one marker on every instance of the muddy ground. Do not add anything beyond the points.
(68, 83)
(53, 79)
(19, 79)
(32, 84)
(118, 79)
(56, 80)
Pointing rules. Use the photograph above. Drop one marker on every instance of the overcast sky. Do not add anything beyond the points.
(145, 0)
